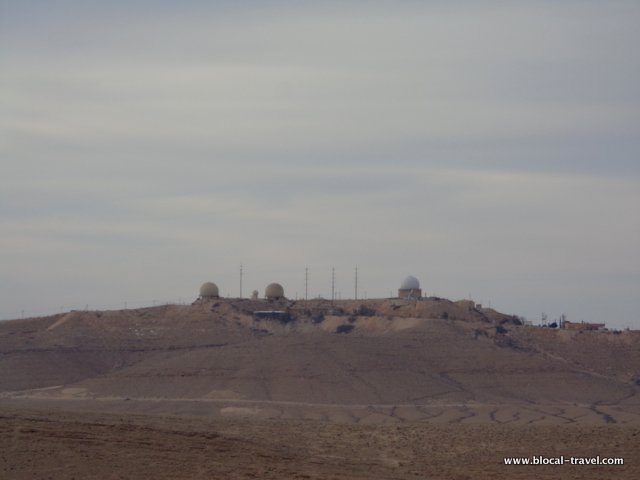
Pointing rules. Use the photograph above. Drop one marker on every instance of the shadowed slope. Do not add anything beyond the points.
(393, 354)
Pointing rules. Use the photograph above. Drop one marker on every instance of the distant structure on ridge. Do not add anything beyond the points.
(410, 289)
(274, 291)
(209, 290)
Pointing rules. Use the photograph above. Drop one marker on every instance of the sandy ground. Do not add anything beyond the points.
(55, 444)
(209, 391)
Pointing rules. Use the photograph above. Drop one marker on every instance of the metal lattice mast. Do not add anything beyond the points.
(356, 289)
(333, 284)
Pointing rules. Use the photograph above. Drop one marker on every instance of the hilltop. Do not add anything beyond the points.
(234, 388)
(344, 360)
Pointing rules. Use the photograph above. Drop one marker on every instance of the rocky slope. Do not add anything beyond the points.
(431, 352)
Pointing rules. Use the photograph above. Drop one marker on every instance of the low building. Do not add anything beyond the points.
(583, 326)
(281, 315)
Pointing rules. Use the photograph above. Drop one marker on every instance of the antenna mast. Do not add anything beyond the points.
(356, 296)
(333, 284)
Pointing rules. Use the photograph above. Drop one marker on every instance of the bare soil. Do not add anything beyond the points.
(57, 444)
(428, 389)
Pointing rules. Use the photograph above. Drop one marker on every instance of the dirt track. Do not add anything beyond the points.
(436, 414)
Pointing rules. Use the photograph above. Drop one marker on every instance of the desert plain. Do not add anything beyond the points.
(388, 389)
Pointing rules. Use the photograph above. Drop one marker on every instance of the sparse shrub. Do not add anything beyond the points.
(261, 332)
(501, 330)
(444, 315)
(346, 328)
(317, 318)
(352, 319)
(365, 311)
(479, 333)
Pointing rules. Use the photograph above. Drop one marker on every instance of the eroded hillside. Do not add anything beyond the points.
(236, 354)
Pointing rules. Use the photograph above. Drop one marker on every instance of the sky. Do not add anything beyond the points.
(489, 148)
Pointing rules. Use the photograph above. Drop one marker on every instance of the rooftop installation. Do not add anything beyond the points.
(209, 290)
(410, 288)
(274, 291)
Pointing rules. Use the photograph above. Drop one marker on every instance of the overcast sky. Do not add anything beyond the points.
(489, 148)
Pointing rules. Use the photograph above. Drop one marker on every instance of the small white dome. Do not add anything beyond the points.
(274, 290)
(209, 290)
(410, 283)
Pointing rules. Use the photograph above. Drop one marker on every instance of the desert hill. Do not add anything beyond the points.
(345, 360)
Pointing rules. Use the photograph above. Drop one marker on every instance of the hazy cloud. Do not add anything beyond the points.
(488, 148)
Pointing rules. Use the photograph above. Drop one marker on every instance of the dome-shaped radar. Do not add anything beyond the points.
(274, 291)
(410, 283)
(209, 290)
(410, 288)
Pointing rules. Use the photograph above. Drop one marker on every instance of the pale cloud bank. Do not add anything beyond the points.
(488, 148)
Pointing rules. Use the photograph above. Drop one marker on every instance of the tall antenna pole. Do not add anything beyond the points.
(240, 280)
(356, 296)
(306, 283)
(333, 284)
